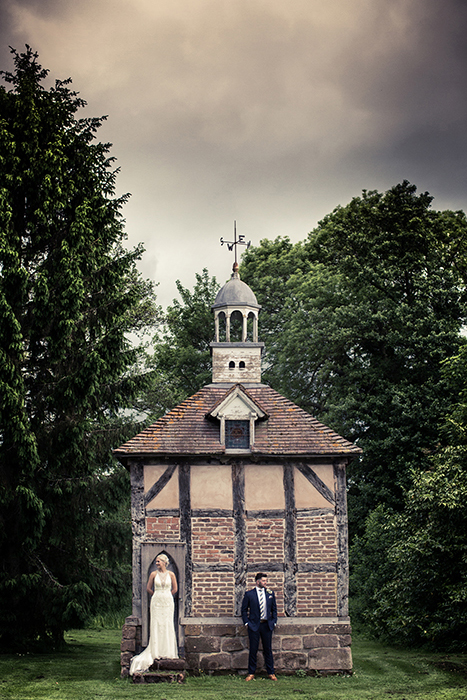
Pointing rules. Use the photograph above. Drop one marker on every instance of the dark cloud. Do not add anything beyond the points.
(268, 112)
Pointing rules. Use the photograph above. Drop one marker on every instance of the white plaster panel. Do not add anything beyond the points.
(237, 409)
(325, 473)
(211, 486)
(264, 487)
(306, 495)
(168, 497)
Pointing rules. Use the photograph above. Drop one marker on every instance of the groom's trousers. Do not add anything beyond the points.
(265, 634)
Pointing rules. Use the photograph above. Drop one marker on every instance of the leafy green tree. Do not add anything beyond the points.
(371, 567)
(409, 573)
(181, 363)
(70, 294)
(363, 314)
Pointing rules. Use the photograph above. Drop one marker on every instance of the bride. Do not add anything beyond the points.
(162, 586)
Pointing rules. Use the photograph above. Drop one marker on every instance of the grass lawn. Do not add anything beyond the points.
(89, 670)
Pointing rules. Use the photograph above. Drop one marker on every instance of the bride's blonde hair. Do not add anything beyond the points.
(164, 558)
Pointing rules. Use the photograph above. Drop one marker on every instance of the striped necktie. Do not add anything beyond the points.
(262, 605)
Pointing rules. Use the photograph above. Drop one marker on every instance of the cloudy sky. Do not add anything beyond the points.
(270, 112)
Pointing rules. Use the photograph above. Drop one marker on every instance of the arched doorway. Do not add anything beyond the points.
(176, 555)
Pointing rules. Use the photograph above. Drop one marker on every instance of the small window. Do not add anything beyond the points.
(241, 364)
(237, 434)
(231, 364)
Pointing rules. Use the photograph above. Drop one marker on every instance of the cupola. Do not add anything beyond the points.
(236, 352)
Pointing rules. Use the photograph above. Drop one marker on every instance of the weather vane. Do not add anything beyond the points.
(232, 245)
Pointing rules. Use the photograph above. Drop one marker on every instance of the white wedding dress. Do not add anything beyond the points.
(162, 640)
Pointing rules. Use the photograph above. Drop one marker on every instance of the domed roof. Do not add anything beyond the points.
(235, 293)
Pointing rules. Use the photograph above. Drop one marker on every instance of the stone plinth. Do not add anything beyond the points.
(130, 644)
(158, 677)
(309, 644)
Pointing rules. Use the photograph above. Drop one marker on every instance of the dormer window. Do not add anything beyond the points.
(237, 414)
(241, 364)
(231, 364)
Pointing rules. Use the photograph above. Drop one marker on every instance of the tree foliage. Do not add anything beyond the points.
(181, 363)
(357, 321)
(69, 295)
(362, 326)
(416, 591)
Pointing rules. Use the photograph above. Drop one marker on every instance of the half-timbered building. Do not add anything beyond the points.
(238, 479)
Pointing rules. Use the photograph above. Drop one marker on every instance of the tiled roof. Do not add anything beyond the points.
(186, 430)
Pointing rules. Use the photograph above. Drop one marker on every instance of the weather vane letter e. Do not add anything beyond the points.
(232, 245)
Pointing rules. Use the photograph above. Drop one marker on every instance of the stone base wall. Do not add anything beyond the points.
(220, 645)
(130, 644)
(308, 644)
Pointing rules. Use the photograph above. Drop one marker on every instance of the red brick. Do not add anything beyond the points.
(163, 527)
(213, 594)
(317, 594)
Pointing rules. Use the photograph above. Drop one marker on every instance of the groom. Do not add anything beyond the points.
(259, 613)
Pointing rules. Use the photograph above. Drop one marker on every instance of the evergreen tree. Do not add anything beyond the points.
(69, 295)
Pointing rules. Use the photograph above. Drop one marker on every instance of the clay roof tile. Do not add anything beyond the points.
(288, 430)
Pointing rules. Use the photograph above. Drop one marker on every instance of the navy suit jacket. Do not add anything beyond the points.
(250, 610)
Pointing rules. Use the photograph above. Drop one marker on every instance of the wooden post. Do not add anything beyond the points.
(342, 540)
(290, 543)
(185, 530)
(138, 526)
(240, 553)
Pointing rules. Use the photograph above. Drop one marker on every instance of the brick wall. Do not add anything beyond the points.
(213, 594)
(163, 527)
(265, 539)
(316, 538)
(317, 594)
(212, 540)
